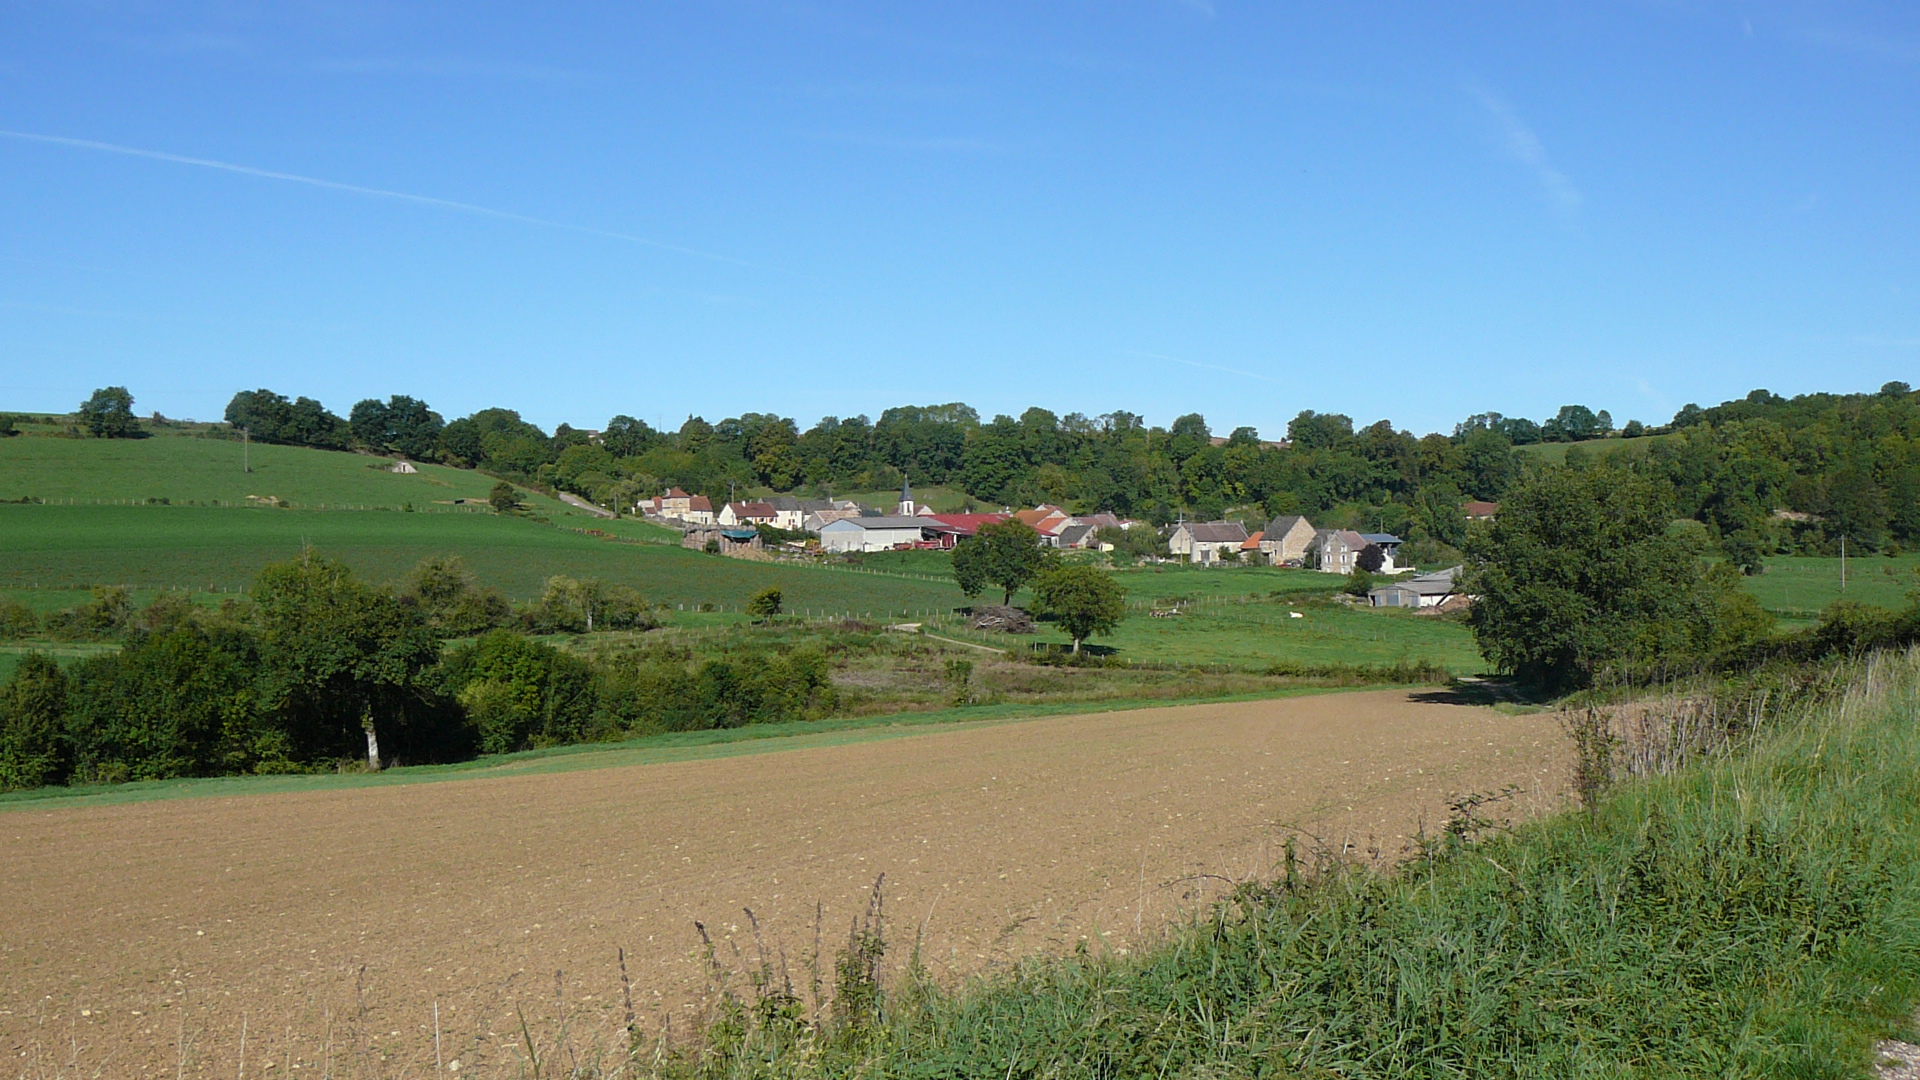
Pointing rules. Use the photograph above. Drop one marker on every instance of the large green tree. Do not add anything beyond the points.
(342, 663)
(1580, 572)
(108, 414)
(1006, 555)
(1083, 599)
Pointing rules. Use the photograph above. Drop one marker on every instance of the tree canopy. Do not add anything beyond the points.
(1006, 555)
(1083, 599)
(108, 414)
(1581, 572)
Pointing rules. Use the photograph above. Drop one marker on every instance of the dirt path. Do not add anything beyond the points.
(331, 923)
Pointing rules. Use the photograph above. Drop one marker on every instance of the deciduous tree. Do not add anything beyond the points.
(108, 414)
(1083, 599)
(1580, 572)
(1006, 555)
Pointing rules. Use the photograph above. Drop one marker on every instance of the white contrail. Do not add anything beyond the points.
(378, 193)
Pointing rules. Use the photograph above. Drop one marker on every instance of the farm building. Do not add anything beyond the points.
(1389, 545)
(1478, 510)
(402, 467)
(965, 525)
(882, 533)
(1203, 542)
(1425, 591)
(732, 540)
(1286, 539)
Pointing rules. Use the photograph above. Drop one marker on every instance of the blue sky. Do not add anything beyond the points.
(1415, 211)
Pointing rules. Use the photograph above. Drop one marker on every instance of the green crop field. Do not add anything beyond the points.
(200, 548)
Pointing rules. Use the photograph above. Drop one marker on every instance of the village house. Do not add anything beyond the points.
(1047, 520)
(677, 505)
(1285, 540)
(1335, 550)
(747, 513)
(1203, 542)
(1075, 536)
(1477, 510)
(791, 513)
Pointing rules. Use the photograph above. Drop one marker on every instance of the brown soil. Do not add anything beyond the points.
(139, 937)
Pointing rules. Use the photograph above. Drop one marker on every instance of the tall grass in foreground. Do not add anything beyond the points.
(1753, 915)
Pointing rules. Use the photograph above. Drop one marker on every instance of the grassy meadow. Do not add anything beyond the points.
(184, 467)
(1255, 634)
(1796, 588)
(217, 548)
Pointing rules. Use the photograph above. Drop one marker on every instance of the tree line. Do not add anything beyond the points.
(318, 667)
(1840, 464)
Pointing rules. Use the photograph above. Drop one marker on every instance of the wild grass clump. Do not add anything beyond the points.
(1756, 914)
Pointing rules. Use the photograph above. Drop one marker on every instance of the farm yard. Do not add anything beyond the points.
(330, 929)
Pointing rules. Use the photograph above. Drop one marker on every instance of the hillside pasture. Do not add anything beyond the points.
(1797, 588)
(183, 467)
(341, 926)
(208, 548)
(1259, 633)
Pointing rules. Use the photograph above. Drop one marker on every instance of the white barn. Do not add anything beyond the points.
(873, 533)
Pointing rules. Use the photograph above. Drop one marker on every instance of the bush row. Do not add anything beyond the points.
(321, 668)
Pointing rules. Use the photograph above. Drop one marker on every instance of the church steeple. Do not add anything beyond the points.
(906, 497)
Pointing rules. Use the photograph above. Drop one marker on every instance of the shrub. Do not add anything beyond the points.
(17, 620)
(519, 693)
(33, 747)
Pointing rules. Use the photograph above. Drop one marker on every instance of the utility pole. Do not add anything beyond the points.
(1843, 562)
(246, 450)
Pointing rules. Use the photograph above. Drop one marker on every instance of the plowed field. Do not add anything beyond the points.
(143, 939)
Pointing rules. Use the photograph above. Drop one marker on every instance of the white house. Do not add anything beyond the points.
(873, 533)
(747, 513)
(1203, 542)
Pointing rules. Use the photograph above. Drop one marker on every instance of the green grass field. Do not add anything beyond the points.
(183, 468)
(204, 548)
(1797, 588)
(1556, 453)
(1252, 635)
(63, 653)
